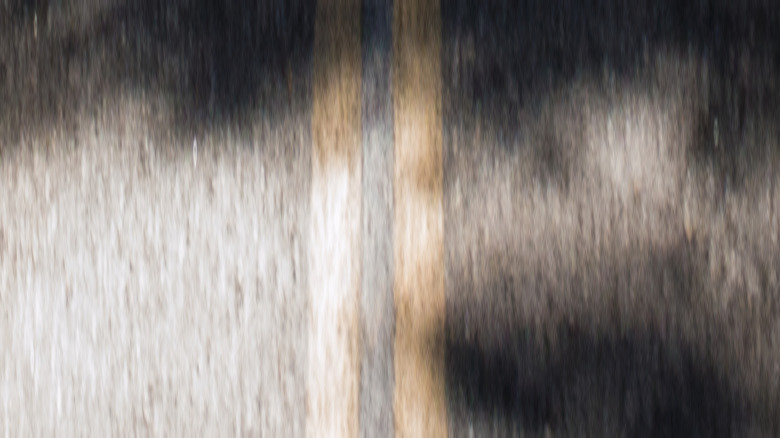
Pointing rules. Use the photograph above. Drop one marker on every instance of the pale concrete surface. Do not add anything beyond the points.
(153, 293)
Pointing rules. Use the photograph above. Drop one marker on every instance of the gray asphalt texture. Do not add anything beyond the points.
(377, 308)
(611, 217)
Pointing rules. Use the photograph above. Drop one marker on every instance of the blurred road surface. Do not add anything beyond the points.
(412, 218)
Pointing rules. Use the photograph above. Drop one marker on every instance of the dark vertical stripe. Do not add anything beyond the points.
(377, 315)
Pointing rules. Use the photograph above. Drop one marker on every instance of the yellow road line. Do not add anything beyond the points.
(419, 404)
(334, 263)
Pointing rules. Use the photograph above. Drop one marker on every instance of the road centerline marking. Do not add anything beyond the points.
(419, 403)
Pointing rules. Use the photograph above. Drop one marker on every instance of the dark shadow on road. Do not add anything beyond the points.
(555, 326)
(632, 384)
(210, 63)
(504, 60)
(639, 344)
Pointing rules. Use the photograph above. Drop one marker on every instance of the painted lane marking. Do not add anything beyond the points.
(334, 263)
(420, 406)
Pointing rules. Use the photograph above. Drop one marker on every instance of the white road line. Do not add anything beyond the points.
(334, 258)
